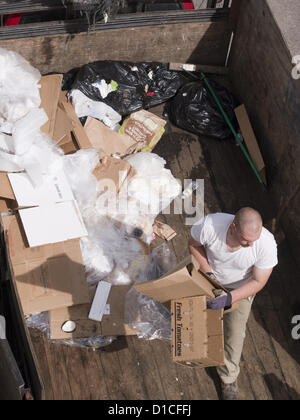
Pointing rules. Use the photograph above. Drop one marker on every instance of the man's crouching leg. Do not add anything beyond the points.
(235, 324)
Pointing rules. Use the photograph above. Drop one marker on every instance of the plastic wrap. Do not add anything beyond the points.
(194, 109)
(85, 106)
(19, 88)
(153, 186)
(40, 322)
(149, 318)
(79, 169)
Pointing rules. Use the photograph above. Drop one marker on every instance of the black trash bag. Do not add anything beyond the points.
(140, 85)
(194, 109)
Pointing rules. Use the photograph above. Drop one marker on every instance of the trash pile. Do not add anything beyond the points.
(92, 192)
(80, 192)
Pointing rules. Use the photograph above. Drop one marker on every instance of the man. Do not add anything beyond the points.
(241, 254)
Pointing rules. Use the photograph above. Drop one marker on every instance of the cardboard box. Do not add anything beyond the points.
(197, 333)
(183, 282)
(47, 277)
(112, 324)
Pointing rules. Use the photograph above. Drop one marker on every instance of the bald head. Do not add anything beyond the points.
(249, 221)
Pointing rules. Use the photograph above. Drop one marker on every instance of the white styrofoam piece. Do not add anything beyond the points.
(98, 307)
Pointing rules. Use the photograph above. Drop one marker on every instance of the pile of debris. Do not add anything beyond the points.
(80, 192)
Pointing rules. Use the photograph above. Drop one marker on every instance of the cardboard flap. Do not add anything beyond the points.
(250, 140)
(186, 282)
(47, 277)
(50, 93)
(77, 128)
(6, 190)
(111, 174)
(109, 141)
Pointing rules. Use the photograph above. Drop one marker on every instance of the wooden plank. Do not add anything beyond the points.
(77, 378)
(133, 382)
(94, 372)
(200, 42)
(112, 373)
(150, 371)
(39, 342)
(162, 354)
(58, 372)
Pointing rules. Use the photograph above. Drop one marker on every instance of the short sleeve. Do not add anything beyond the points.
(267, 257)
(200, 231)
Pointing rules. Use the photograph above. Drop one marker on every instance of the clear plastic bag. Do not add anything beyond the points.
(19, 88)
(153, 185)
(149, 318)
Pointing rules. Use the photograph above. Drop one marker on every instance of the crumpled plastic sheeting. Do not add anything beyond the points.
(149, 318)
(19, 88)
(108, 251)
(153, 186)
(87, 107)
(79, 169)
(40, 322)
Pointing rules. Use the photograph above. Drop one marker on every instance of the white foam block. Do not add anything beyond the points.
(99, 306)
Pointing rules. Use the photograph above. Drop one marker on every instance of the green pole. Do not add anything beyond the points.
(232, 128)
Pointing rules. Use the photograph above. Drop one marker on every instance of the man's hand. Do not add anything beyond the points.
(224, 301)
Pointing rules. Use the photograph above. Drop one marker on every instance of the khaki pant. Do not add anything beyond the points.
(235, 324)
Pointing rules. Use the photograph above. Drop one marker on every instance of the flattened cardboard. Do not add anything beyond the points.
(7, 205)
(186, 282)
(50, 92)
(47, 277)
(114, 170)
(111, 325)
(6, 190)
(197, 333)
(78, 130)
(250, 140)
(163, 231)
(109, 141)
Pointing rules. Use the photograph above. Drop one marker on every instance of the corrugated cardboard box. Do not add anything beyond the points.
(197, 333)
(181, 283)
(112, 323)
(47, 277)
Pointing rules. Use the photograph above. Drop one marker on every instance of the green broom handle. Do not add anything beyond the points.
(232, 128)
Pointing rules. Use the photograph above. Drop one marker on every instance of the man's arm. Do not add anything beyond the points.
(259, 280)
(198, 251)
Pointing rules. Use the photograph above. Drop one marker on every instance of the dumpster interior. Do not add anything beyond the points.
(137, 365)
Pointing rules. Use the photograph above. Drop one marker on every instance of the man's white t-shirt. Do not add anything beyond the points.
(233, 269)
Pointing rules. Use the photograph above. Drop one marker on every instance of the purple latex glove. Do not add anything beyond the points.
(222, 302)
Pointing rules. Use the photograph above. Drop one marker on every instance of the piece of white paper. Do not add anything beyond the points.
(53, 223)
(54, 189)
